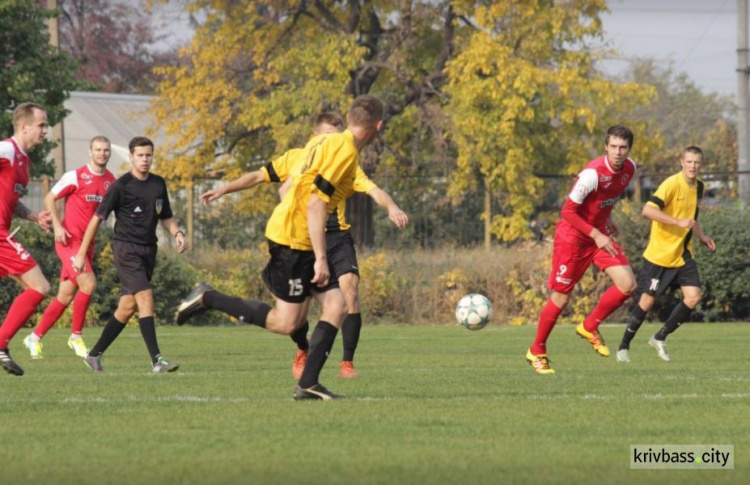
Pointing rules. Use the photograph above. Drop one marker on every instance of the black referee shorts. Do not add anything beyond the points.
(135, 265)
(654, 280)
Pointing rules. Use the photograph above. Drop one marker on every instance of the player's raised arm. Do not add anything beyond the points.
(244, 182)
(395, 214)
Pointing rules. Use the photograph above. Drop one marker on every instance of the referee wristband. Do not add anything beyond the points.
(179, 232)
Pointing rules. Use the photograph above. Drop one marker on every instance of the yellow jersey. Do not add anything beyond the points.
(669, 245)
(329, 171)
(290, 164)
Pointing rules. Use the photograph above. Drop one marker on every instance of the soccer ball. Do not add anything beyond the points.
(474, 311)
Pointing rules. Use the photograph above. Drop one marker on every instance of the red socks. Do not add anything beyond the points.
(610, 301)
(80, 306)
(50, 317)
(547, 320)
(20, 311)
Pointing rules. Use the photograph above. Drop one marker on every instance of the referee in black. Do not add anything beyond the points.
(139, 200)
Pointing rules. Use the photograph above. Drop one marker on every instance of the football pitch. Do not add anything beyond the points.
(434, 405)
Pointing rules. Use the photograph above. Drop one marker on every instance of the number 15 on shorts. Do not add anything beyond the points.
(295, 287)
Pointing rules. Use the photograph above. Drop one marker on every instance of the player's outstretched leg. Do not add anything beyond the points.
(193, 303)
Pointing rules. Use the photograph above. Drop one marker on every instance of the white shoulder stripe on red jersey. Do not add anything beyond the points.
(68, 179)
(7, 151)
(587, 182)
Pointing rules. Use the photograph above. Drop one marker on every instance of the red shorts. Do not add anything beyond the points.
(570, 260)
(14, 259)
(66, 255)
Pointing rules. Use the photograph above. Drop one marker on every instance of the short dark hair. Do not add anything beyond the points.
(24, 112)
(366, 111)
(99, 138)
(620, 131)
(140, 141)
(694, 149)
(329, 118)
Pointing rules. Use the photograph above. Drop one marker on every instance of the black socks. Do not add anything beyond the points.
(637, 315)
(300, 336)
(148, 331)
(111, 330)
(248, 311)
(350, 333)
(678, 316)
(321, 343)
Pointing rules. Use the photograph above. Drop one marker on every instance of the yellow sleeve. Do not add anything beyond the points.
(362, 182)
(283, 167)
(266, 174)
(664, 194)
(331, 162)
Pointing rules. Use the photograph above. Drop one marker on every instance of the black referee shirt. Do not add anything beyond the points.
(138, 206)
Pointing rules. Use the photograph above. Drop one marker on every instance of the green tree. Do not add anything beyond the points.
(686, 116)
(525, 97)
(32, 70)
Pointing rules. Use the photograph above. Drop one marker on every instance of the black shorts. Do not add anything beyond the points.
(289, 273)
(654, 280)
(342, 257)
(135, 265)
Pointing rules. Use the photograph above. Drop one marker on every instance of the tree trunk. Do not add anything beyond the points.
(190, 214)
(487, 214)
(359, 215)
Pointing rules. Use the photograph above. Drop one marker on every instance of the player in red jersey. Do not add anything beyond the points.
(29, 130)
(584, 236)
(83, 190)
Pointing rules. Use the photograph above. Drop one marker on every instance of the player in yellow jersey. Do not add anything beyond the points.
(342, 255)
(342, 258)
(668, 259)
(299, 267)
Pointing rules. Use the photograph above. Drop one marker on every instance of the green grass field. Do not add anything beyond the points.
(433, 405)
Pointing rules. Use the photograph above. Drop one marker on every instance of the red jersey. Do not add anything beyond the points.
(595, 192)
(84, 191)
(14, 176)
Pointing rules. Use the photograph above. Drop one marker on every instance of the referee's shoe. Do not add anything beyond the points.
(192, 304)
